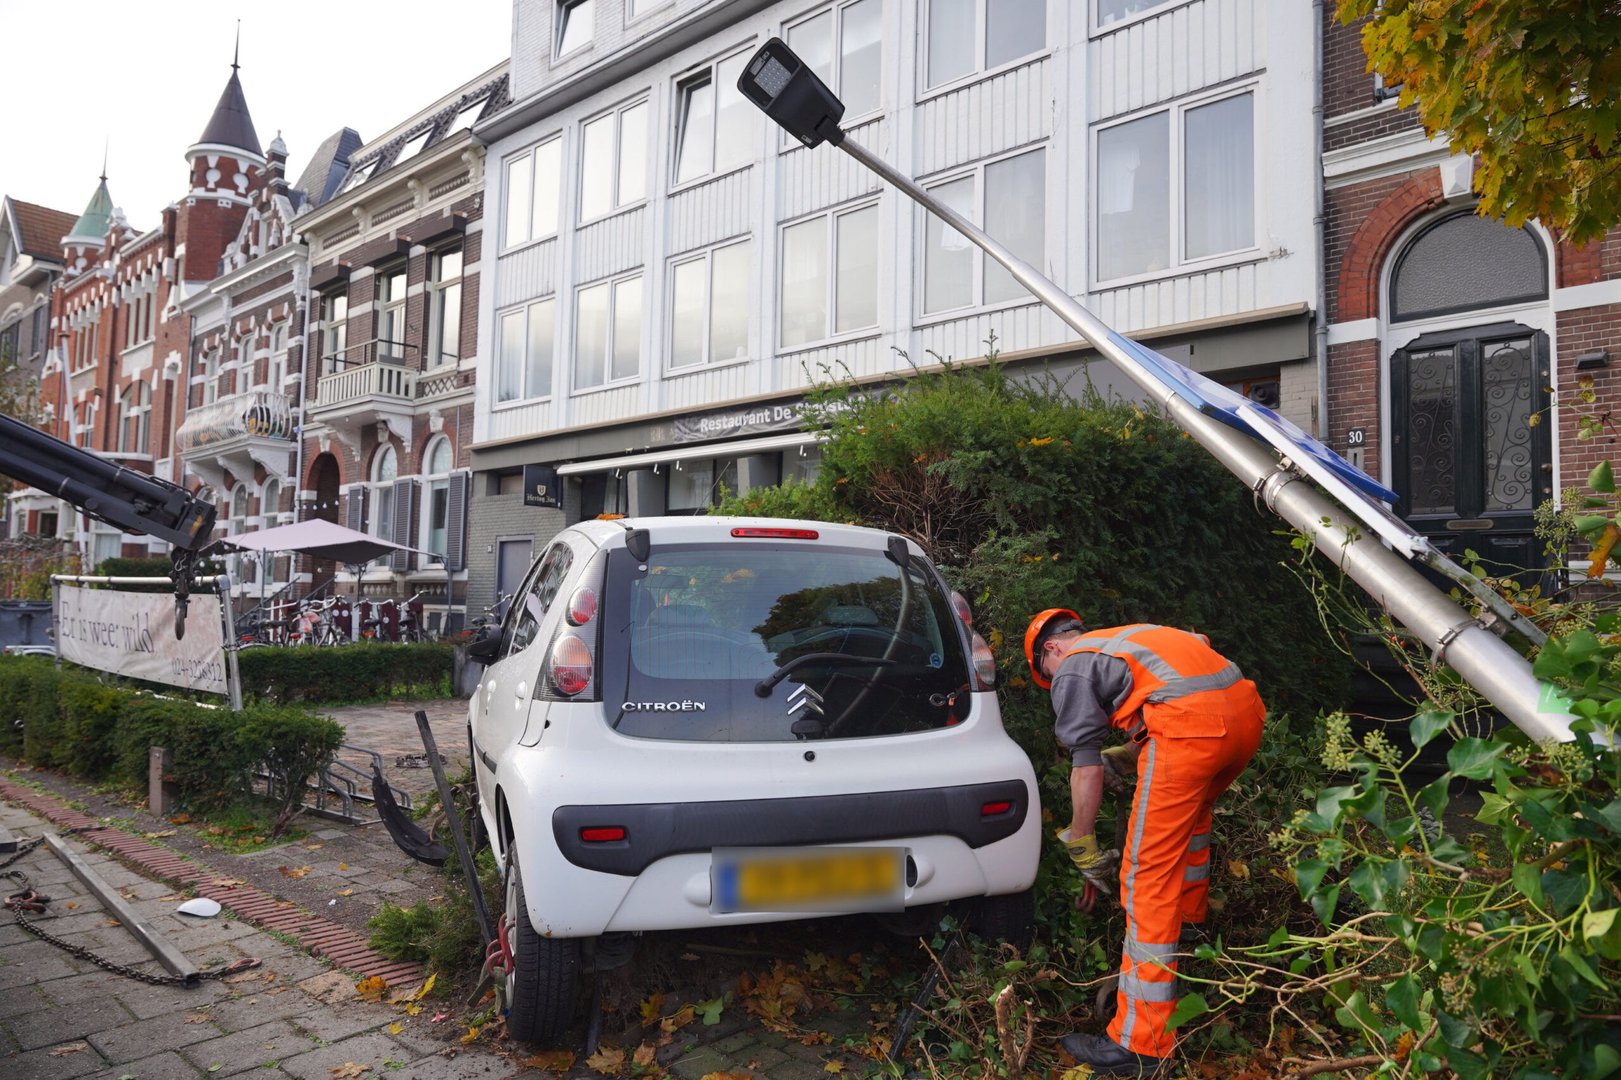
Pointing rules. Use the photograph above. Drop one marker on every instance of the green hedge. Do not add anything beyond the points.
(71, 721)
(359, 672)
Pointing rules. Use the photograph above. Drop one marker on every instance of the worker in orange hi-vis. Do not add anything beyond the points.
(1192, 723)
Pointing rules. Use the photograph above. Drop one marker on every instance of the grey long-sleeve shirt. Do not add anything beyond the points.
(1087, 689)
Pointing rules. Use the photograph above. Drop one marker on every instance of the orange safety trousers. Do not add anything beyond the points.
(1165, 865)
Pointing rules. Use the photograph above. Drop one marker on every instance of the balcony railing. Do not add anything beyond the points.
(378, 379)
(260, 414)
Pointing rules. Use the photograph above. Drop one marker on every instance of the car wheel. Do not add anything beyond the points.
(545, 975)
(1010, 918)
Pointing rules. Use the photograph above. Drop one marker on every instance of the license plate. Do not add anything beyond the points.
(808, 879)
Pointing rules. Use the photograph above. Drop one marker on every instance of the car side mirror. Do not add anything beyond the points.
(484, 648)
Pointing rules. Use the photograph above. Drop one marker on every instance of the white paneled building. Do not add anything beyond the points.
(666, 271)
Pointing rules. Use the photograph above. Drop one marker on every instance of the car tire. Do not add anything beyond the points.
(1010, 918)
(544, 981)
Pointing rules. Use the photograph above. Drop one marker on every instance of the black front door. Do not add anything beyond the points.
(1470, 443)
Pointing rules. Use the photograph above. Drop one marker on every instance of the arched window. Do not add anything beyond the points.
(385, 470)
(436, 466)
(1464, 263)
(239, 508)
(270, 504)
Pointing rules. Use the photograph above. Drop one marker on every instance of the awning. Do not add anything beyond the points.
(696, 452)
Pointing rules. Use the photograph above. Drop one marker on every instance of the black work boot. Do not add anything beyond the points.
(1109, 1058)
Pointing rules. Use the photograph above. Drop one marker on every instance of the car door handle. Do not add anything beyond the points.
(520, 692)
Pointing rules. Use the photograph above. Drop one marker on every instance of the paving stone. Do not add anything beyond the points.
(464, 1066)
(330, 1025)
(374, 1050)
(18, 1000)
(133, 1041)
(249, 1012)
(94, 983)
(165, 1066)
(38, 962)
(700, 1062)
(51, 1026)
(43, 1065)
(147, 1001)
(247, 1049)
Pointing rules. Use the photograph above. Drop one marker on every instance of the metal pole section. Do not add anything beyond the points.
(166, 954)
(1483, 659)
(453, 822)
(233, 673)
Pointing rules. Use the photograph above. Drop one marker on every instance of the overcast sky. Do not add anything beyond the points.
(308, 69)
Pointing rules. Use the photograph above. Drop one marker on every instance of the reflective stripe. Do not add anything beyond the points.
(1143, 990)
(1200, 842)
(1179, 686)
(1131, 1022)
(1139, 952)
(1196, 873)
(1144, 787)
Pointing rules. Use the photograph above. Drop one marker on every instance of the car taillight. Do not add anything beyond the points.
(758, 532)
(582, 606)
(959, 603)
(570, 665)
(602, 834)
(984, 664)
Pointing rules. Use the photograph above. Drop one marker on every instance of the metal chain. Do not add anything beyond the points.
(19, 902)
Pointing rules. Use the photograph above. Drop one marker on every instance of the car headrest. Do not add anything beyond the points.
(679, 615)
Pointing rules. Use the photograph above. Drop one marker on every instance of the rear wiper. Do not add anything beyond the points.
(764, 687)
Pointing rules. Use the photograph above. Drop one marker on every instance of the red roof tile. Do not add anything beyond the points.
(40, 229)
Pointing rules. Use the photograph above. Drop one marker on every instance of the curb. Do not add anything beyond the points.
(320, 937)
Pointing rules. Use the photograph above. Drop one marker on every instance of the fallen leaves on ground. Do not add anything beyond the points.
(651, 1008)
(160, 834)
(197, 1018)
(644, 1058)
(372, 989)
(293, 871)
(607, 1060)
(180, 819)
(346, 892)
(727, 1076)
(70, 1048)
(348, 1070)
(557, 1061)
(1239, 869)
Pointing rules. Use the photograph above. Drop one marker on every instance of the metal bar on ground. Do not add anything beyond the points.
(166, 954)
(8, 841)
(453, 820)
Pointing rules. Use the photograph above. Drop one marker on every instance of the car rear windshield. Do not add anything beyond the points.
(695, 634)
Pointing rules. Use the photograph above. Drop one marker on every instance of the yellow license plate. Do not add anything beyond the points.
(808, 879)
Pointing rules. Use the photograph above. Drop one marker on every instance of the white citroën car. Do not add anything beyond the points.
(701, 721)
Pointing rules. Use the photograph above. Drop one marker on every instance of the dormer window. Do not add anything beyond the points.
(575, 25)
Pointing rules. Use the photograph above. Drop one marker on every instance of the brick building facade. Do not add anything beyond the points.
(1455, 345)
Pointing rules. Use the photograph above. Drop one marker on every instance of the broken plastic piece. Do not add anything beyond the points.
(201, 906)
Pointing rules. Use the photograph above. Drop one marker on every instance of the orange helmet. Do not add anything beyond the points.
(1041, 627)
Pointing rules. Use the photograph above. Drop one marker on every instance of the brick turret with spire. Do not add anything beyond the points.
(227, 169)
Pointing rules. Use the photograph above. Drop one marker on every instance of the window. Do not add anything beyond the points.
(1142, 227)
(445, 306)
(1003, 31)
(613, 161)
(709, 306)
(436, 465)
(537, 596)
(829, 275)
(138, 307)
(391, 331)
(11, 343)
(842, 45)
(466, 116)
(239, 509)
(607, 332)
(1464, 262)
(1112, 11)
(276, 371)
(1009, 197)
(638, 8)
(270, 504)
(534, 182)
(716, 129)
(801, 466)
(524, 366)
(695, 486)
(385, 470)
(211, 374)
(574, 25)
(135, 409)
(334, 331)
(414, 145)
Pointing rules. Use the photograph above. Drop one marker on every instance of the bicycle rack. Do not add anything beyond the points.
(343, 784)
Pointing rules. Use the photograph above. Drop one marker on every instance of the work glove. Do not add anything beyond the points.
(1099, 868)
(1119, 766)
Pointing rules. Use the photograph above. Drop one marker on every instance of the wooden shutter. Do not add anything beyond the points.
(354, 508)
(461, 488)
(405, 505)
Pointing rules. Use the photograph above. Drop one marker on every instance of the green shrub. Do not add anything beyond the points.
(360, 672)
(72, 721)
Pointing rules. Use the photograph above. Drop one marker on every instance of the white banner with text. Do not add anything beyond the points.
(132, 634)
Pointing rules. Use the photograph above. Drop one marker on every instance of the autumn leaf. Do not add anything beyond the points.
(425, 989)
(1602, 549)
(1239, 869)
(197, 1018)
(472, 1033)
(71, 904)
(348, 1070)
(159, 835)
(180, 819)
(412, 1009)
(346, 892)
(293, 871)
(678, 1019)
(71, 1048)
(607, 1060)
(727, 1076)
(557, 1061)
(644, 1056)
(372, 989)
(343, 866)
(651, 1008)
(834, 1067)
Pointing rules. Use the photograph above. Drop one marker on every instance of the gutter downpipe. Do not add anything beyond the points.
(1320, 224)
(1483, 659)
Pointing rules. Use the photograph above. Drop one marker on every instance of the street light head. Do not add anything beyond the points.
(789, 92)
